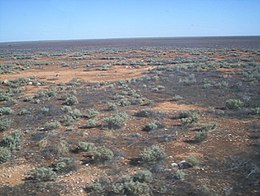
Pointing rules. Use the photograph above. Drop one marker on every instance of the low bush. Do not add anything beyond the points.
(144, 113)
(152, 154)
(5, 154)
(193, 161)
(44, 174)
(64, 165)
(151, 126)
(201, 136)
(5, 111)
(12, 141)
(234, 104)
(116, 121)
(52, 125)
(189, 117)
(111, 106)
(24, 111)
(102, 154)
(91, 113)
(5, 124)
(86, 146)
(71, 100)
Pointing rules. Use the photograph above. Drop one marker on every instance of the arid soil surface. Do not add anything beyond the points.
(151, 118)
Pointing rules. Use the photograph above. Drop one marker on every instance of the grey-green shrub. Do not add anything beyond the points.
(12, 141)
(234, 104)
(71, 100)
(111, 106)
(91, 113)
(65, 165)
(5, 111)
(86, 146)
(5, 124)
(150, 126)
(201, 136)
(44, 174)
(52, 125)
(5, 154)
(102, 154)
(152, 154)
(116, 121)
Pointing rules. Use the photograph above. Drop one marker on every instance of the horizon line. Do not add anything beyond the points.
(117, 38)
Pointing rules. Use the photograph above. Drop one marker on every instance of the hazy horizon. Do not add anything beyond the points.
(55, 20)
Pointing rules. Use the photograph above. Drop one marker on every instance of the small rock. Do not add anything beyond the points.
(174, 165)
(30, 83)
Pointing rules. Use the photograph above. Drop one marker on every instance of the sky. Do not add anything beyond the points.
(33, 20)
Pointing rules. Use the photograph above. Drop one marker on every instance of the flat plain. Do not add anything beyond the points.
(161, 116)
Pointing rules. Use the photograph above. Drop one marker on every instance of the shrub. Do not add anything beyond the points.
(52, 125)
(12, 141)
(151, 126)
(143, 176)
(65, 165)
(45, 110)
(189, 117)
(116, 121)
(125, 102)
(193, 161)
(86, 146)
(62, 147)
(111, 106)
(5, 124)
(256, 111)
(201, 136)
(24, 111)
(96, 187)
(91, 123)
(91, 113)
(102, 154)
(152, 154)
(71, 100)
(5, 154)
(234, 104)
(208, 126)
(44, 174)
(179, 175)
(128, 186)
(5, 111)
(144, 113)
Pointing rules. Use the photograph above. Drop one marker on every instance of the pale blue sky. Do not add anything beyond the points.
(28, 20)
